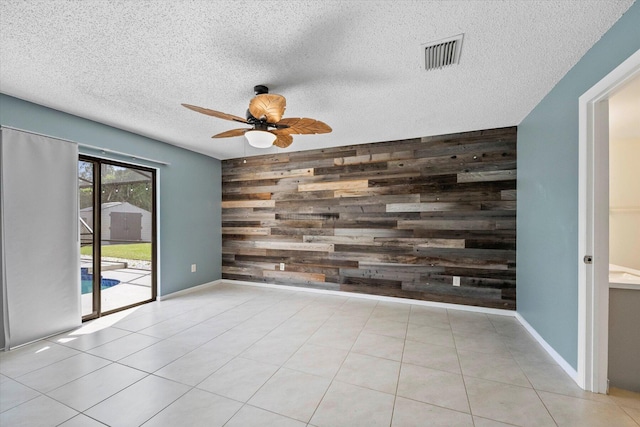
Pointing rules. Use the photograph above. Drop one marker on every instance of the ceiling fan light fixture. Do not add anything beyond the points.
(260, 138)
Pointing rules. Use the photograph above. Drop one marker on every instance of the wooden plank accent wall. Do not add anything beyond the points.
(397, 218)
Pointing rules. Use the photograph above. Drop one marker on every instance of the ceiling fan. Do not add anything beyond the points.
(265, 115)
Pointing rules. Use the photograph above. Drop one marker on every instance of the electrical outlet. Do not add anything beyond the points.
(193, 268)
(456, 280)
(282, 266)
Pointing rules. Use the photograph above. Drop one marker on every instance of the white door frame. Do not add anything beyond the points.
(593, 225)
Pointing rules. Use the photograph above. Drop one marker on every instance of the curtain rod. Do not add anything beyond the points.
(92, 147)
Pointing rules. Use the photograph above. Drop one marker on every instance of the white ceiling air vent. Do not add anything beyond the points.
(442, 53)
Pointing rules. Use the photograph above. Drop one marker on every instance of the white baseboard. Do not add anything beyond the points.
(189, 290)
(460, 307)
(496, 311)
(554, 354)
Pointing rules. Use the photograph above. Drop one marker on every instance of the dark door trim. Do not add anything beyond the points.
(97, 235)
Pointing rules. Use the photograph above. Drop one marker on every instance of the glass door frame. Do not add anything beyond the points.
(96, 250)
(97, 163)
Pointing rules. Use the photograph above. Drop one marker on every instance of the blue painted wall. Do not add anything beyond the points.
(190, 189)
(547, 245)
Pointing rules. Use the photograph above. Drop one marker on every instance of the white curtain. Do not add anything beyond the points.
(39, 249)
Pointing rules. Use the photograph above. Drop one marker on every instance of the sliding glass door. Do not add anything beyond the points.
(117, 223)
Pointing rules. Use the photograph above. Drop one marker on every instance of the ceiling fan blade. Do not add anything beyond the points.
(303, 125)
(269, 106)
(214, 113)
(283, 140)
(230, 133)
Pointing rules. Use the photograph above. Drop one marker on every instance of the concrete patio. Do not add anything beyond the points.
(134, 286)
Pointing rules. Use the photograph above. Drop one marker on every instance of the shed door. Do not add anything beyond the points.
(126, 226)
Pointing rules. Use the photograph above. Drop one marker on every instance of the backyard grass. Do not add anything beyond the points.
(139, 251)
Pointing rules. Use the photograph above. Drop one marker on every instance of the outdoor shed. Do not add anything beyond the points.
(121, 222)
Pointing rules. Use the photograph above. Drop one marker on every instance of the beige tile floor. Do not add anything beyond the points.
(242, 356)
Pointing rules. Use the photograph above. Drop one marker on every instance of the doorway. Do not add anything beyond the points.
(117, 233)
(593, 226)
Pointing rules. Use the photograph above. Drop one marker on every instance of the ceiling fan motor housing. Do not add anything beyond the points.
(260, 89)
(258, 124)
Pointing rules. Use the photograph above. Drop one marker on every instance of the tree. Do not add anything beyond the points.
(119, 184)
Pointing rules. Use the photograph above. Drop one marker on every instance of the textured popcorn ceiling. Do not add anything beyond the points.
(355, 65)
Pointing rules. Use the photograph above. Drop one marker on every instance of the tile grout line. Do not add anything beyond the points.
(190, 387)
(280, 366)
(147, 374)
(505, 338)
(404, 343)
(464, 383)
(341, 364)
